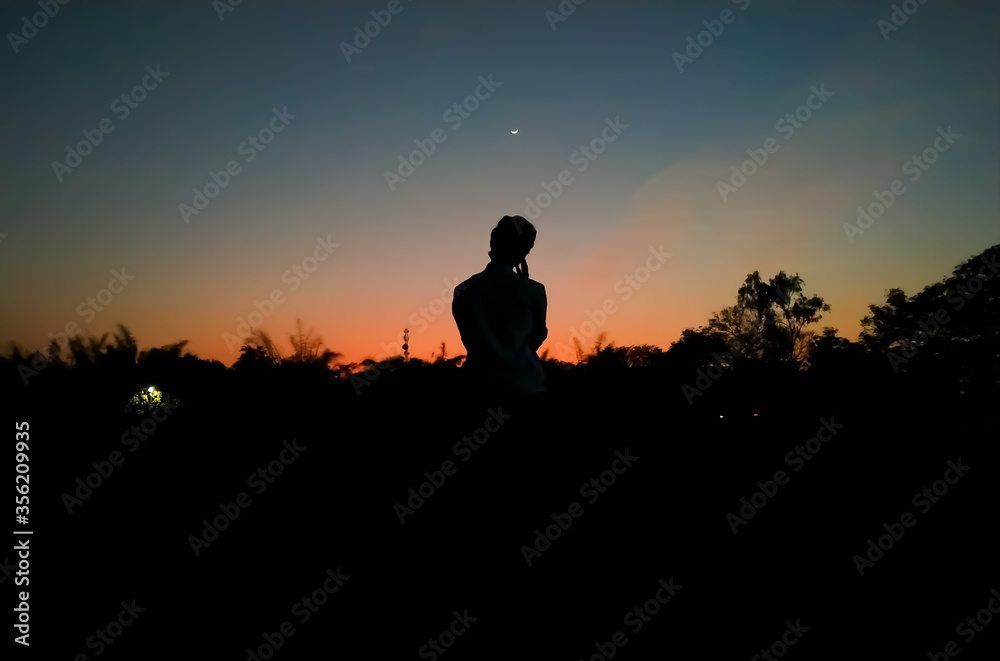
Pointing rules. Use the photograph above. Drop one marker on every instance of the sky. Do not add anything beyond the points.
(327, 215)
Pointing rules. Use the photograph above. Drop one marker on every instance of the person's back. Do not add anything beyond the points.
(501, 314)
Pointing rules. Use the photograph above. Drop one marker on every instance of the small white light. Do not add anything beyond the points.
(151, 389)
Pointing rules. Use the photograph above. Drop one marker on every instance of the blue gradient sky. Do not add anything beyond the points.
(323, 176)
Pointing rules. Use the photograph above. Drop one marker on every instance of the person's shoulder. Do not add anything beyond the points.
(472, 280)
(465, 286)
(536, 288)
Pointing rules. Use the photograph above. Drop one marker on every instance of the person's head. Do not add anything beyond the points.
(511, 241)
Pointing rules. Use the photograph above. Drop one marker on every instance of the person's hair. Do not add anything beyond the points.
(511, 241)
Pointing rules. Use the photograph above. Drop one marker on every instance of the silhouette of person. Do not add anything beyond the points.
(500, 313)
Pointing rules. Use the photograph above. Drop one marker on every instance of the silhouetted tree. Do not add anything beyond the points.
(308, 348)
(954, 323)
(769, 318)
(631, 357)
(252, 357)
(641, 355)
(260, 341)
(443, 357)
(166, 351)
(829, 350)
(607, 358)
(86, 352)
(600, 343)
(124, 352)
(694, 348)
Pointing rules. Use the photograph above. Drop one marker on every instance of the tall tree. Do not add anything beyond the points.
(955, 322)
(769, 318)
(795, 311)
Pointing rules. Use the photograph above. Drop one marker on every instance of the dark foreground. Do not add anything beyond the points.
(648, 567)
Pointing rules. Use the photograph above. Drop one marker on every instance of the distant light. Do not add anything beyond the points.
(755, 415)
(720, 416)
(151, 389)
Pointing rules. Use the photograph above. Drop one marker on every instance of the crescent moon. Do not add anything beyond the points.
(514, 132)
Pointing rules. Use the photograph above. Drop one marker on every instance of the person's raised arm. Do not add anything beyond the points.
(539, 332)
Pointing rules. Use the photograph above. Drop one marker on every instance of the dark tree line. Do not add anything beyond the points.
(949, 330)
